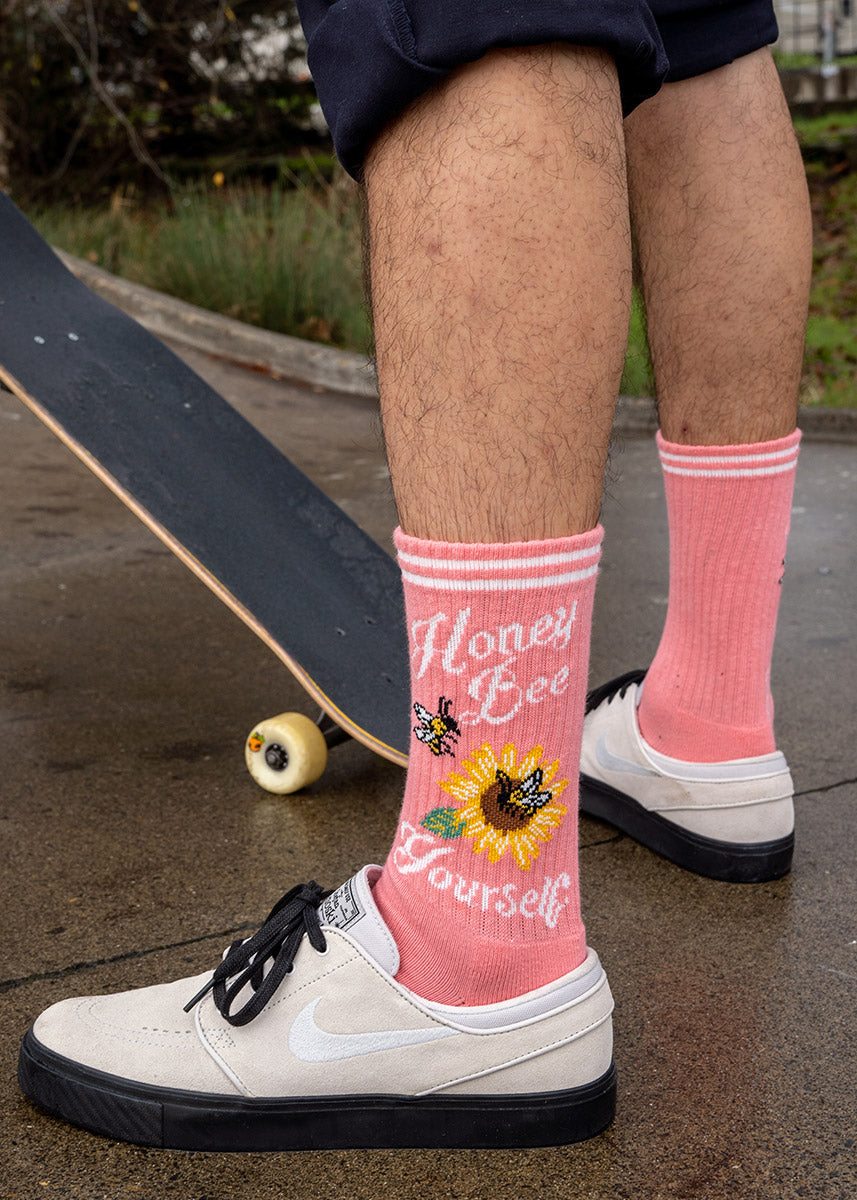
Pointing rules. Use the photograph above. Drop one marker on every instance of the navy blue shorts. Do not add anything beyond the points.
(371, 58)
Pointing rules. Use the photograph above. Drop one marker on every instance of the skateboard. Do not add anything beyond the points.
(282, 556)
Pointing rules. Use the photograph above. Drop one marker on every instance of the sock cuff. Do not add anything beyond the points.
(485, 567)
(751, 460)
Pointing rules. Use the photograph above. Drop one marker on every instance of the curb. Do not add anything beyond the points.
(285, 357)
(276, 353)
(636, 416)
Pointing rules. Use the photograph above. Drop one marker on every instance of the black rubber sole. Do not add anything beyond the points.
(181, 1120)
(731, 862)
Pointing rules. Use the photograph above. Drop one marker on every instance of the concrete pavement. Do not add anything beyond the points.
(134, 844)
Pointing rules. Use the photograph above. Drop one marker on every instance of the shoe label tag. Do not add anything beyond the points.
(343, 908)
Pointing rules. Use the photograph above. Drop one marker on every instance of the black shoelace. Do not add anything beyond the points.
(616, 686)
(277, 942)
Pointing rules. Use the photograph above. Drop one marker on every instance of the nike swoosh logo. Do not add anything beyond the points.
(612, 762)
(311, 1044)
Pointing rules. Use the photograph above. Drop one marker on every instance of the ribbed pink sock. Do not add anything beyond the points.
(480, 889)
(707, 697)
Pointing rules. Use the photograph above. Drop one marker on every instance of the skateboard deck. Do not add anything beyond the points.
(284, 557)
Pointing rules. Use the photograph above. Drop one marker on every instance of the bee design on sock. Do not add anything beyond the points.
(439, 731)
(522, 796)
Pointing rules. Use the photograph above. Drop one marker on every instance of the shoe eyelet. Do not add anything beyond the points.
(326, 950)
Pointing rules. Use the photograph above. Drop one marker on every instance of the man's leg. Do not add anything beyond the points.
(721, 216)
(500, 272)
(500, 260)
(722, 225)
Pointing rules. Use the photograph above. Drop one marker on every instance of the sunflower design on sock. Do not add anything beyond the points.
(508, 805)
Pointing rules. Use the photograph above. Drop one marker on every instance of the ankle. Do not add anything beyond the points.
(441, 962)
(679, 733)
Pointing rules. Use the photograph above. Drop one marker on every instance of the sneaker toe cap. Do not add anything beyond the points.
(143, 1035)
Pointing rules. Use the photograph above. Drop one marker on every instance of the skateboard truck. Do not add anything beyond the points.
(289, 752)
(334, 735)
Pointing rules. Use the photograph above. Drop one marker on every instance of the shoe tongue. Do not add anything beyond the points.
(352, 909)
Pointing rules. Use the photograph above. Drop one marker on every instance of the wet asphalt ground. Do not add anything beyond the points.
(134, 845)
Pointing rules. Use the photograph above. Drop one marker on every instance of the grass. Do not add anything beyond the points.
(804, 61)
(829, 131)
(288, 259)
(637, 378)
(830, 368)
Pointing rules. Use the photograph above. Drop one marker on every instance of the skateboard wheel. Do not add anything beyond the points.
(286, 753)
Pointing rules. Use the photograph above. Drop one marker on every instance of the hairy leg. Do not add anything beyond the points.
(719, 204)
(721, 210)
(722, 222)
(500, 271)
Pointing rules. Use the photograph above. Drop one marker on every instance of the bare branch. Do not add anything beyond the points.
(90, 66)
(74, 141)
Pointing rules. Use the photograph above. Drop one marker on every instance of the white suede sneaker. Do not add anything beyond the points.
(728, 820)
(302, 1039)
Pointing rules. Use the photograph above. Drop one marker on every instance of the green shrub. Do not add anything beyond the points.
(287, 259)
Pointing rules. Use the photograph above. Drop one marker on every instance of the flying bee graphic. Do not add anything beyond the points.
(524, 795)
(439, 731)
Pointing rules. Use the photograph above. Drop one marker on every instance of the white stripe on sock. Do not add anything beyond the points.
(496, 585)
(730, 474)
(496, 564)
(791, 451)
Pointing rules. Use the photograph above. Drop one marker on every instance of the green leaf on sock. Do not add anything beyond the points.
(445, 822)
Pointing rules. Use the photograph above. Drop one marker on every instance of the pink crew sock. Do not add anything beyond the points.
(480, 889)
(707, 696)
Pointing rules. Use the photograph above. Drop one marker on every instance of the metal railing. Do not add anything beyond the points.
(825, 28)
